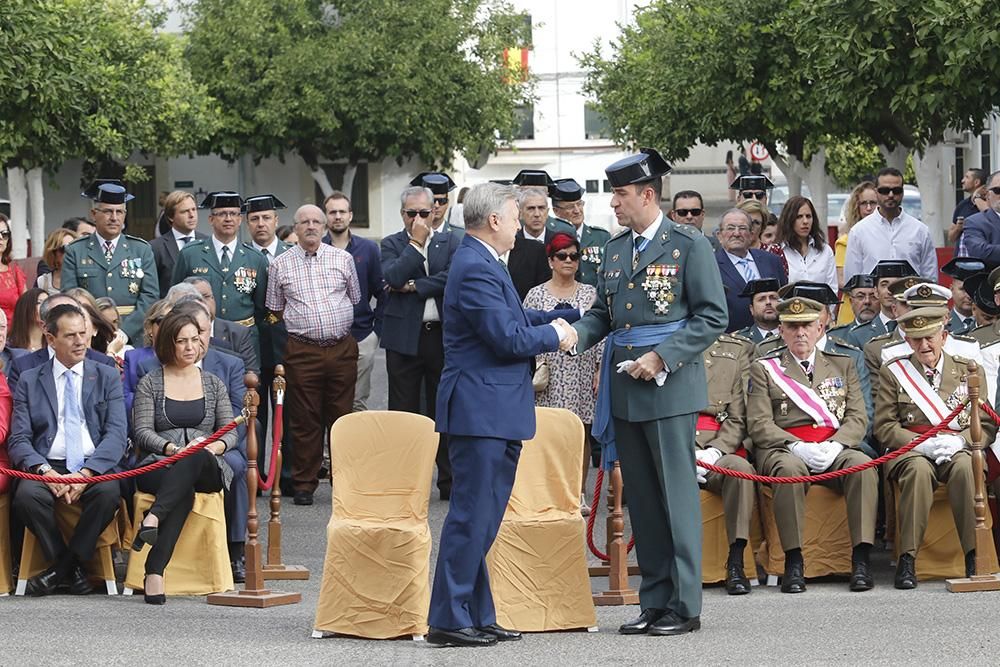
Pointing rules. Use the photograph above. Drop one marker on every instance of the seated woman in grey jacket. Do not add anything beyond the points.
(177, 406)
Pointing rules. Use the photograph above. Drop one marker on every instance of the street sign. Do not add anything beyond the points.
(758, 152)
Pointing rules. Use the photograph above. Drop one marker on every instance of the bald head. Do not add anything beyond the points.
(310, 223)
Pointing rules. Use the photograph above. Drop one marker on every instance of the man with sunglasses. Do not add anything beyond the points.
(981, 237)
(440, 185)
(689, 209)
(752, 186)
(890, 233)
(415, 263)
(567, 202)
(112, 263)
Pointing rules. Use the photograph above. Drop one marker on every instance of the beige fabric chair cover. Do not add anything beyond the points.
(826, 540)
(537, 566)
(940, 555)
(100, 568)
(376, 577)
(200, 563)
(6, 585)
(715, 541)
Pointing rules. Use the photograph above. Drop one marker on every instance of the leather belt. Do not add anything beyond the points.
(317, 343)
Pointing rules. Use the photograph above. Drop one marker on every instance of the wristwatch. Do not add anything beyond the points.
(412, 284)
(42, 469)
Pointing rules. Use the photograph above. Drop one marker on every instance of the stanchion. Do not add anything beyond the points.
(618, 592)
(274, 568)
(982, 580)
(253, 593)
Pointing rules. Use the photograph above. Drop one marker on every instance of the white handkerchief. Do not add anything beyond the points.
(660, 377)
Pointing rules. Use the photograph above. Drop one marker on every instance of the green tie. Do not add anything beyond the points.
(225, 258)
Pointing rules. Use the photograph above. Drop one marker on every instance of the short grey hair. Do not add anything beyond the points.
(56, 299)
(741, 212)
(484, 199)
(185, 288)
(415, 191)
(524, 194)
(994, 176)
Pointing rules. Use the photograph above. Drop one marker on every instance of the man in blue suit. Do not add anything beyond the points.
(738, 263)
(981, 234)
(486, 405)
(415, 265)
(68, 421)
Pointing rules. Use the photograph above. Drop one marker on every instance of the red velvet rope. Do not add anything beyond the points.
(598, 483)
(266, 484)
(135, 472)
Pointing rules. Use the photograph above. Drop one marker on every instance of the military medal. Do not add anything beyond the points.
(676, 254)
(783, 409)
(139, 273)
(133, 288)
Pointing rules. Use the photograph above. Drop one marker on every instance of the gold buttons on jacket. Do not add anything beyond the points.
(631, 285)
(628, 326)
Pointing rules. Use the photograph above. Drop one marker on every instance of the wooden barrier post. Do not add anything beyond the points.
(618, 592)
(253, 593)
(982, 580)
(274, 568)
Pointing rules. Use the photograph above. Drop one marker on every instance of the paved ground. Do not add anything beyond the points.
(827, 624)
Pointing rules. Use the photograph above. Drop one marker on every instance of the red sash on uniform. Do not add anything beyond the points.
(710, 423)
(811, 433)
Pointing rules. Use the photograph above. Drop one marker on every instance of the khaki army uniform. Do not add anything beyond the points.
(722, 425)
(897, 422)
(770, 412)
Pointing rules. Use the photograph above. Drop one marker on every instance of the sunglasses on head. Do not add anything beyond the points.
(412, 213)
(886, 191)
(685, 212)
(995, 190)
(562, 256)
(440, 201)
(755, 194)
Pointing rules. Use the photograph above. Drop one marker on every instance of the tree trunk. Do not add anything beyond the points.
(322, 180)
(18, 191)
(928, 163)
(819, 185)
(350, 171)
(791, 176)
(36, 195)
(895, 157)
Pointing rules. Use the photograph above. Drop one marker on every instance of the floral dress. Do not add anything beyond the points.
(571, 379)
(11, 288)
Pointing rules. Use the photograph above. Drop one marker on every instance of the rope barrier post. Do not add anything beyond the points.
(253, 593)
(981, 580)
(618, 592)
(274, 568)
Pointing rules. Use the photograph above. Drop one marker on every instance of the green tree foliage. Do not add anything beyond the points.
(357, 79)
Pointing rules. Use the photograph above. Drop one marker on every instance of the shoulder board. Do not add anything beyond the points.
(959, 359)
(737, 337)
(881, 337)
(842, 355)
(600, 231)
(842, 343)
(983, 346)
(621, 234)
(136, 238)
(194, 243)
(248, 246)
(770, 354)
(963, 337)
(855, 327)
(82, 239)
(685, 230)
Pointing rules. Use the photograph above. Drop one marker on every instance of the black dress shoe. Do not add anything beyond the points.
(672, 624)
(736, 581)
(793, 581)
(239, 570)
(78, 583)
(303, 498)
(460, 637)
(861, 578)
(970, 564)
(906, 573)
(502, 634)
(641, 625)
(44, 583)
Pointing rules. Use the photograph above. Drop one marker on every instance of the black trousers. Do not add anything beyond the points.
(174, 488)
(408, 374)
(35, 505)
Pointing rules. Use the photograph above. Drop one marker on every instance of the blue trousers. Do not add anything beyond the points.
(483, 476)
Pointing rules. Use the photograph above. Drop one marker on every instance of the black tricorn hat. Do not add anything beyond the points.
(808, 289)
(641, 167)
(437, 182)
(751, 182)
(107, 191)
(261, 203)
(222, 200)
(862, 280)
(533, 178)
(565, 189)
(893, 268)
(760, 285)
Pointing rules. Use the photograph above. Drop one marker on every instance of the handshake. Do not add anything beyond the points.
(818, 456)
(941, 448)
(568, 336)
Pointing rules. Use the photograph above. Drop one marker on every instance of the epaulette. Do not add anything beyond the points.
(621, 234)
(967, 339)
(686, 230)
(902, 356)
(81, 238)
(843, 343)
(983, 346)
(880, 337)
(738, 337)
(599, 230)
(960, 360)
(776, 352)
(859, 325)
(834, 353)
(136, 238)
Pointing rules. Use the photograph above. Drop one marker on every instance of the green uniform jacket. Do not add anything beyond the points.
(689, 271)
(957, 325)
(727, 363)
(239, 293)
(130, 279)
(592, 242)
(860, 334)
(770, 411)
(273, 335)
(560, 225)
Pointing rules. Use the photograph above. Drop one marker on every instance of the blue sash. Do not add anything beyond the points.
(603, 428)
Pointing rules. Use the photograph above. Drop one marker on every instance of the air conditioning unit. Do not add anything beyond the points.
(957, 139)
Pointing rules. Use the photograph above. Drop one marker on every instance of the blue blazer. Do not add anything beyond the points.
(981, 236)
(489, 341)
(7, 355)
(401, 262)
(768, 265)
(35, 419)
(22, 363)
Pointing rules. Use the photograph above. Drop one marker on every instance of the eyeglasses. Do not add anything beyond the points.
(995, 190)
(112, 212)
(730, 229)
(412, 213)
(685, 212)
(225, 214)
(571, 206)
(894, 191)
(563, 256)
(5, 235)
(441, 201)
(754, 194)
(867, 204)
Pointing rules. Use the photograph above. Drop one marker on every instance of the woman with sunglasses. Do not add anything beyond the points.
(52, 255)
(572, 380)
(12, 280)
(862, 203)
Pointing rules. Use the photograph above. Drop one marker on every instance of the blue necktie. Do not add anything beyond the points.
(747, 269)
(72, 427)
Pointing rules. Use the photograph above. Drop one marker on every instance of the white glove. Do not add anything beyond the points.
(709, 455)
(660, 377)
(947, 446)
(927, 447)
(810, 452)
(828, 452)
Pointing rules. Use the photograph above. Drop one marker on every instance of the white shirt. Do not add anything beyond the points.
(765, 333)
(104, 243)
(271, 249)
(58, 449)
(180, 236)
(218, 248)
(430, 306)
(811, 358)
(885, 319)
(736, 260)
(527, 235)
(874, 238)
(937, 373)
(818, 265)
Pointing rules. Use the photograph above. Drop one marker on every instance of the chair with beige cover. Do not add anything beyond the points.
(200, 562)
(537, 566)
(100, 567)
(376, 576)
(715, 540)
(5, 574)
